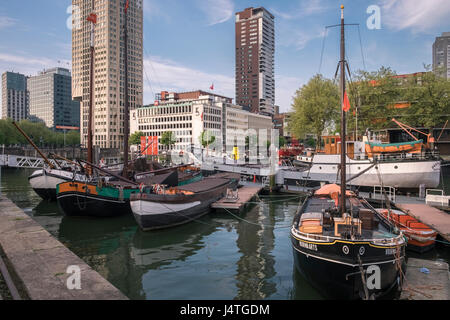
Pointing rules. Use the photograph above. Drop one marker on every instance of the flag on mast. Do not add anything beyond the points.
(212, 87)
(127, 4)
(346, 103)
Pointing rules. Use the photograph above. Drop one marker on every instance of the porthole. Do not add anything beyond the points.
(362, 250)
(396, 167)
(345, 249)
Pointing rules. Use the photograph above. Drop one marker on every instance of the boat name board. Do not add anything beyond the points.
(306, 245)
(391, 251)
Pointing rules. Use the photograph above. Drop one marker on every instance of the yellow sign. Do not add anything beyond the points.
(236, 153)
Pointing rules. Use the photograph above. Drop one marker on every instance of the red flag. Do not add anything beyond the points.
(127, 4)
(92, 18)
(346, 103)
(212, 87)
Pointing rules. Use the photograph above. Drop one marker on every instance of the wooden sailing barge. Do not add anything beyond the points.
(341, 245)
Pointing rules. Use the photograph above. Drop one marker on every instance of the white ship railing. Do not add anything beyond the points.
(379, 192)
(439, 198)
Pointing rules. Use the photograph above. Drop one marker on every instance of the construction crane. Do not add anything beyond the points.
(408, 129)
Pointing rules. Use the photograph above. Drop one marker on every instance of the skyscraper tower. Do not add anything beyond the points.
(255, 58)
(50, 98)
(441, 55)
(109, 69)
(14, 96)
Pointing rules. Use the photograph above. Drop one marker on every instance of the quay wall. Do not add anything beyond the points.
(43, 266)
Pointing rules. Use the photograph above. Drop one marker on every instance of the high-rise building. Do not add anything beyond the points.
(441, 55)
(14, 96)
(50, 99)
(255, 59)
(109, 69)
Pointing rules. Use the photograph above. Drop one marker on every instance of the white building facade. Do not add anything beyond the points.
(189, 114)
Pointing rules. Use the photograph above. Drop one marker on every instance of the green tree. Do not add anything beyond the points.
(429, 96)
(315, 107)
(420, 100)
(135, 138)
(73, 138)
(206, 139)
(374, 95)
(282, 141)
(168, 139)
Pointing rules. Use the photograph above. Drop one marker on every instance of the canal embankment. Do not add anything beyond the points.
(41, 267)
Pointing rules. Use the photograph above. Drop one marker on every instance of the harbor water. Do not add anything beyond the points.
(220, 256)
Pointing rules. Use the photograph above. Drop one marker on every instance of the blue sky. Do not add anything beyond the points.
(189, 44)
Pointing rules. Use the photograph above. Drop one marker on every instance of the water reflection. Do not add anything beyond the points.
(221, 256)
(256, 265)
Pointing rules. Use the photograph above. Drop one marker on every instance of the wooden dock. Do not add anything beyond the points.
(245, 195)
(433, 217)
(426, 280)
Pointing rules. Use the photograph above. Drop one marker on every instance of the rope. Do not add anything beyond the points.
(323, 48)
(255, 224)
(362, 52)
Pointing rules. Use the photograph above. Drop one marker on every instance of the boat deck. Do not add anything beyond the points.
(433, 217)
(244, 196)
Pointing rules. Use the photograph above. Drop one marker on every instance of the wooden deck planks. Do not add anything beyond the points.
(245, 195)
(433, 217)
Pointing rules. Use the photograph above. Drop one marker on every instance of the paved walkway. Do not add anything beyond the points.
(426, 280)
(41, 261)
(435, 218)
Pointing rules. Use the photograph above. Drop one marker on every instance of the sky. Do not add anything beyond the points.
(190, 44)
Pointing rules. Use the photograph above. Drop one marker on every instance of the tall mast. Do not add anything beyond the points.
(93, 19)
(343, 133)
(126, 128)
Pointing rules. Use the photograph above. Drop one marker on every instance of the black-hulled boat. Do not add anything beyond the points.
(158, 207)
(110, 196)
(331, 249)
(347, 254)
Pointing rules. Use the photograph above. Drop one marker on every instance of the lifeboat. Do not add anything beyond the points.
(409, 147)
(421, 238)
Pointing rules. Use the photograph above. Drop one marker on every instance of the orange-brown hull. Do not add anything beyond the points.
(420, 237)
(409, 148)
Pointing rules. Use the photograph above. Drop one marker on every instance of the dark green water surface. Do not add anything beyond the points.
(221, 256)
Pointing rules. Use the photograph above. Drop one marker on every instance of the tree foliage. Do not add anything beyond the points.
(135, 138)
(315, 107)
(206, 139)
(37, 132)
(168, 139)
(419, 100)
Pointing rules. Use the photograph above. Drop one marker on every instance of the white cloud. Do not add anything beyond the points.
(417, 15)
(6, 22)
(217, 11)
(29, 65)
(299, 38)
(171, 76)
